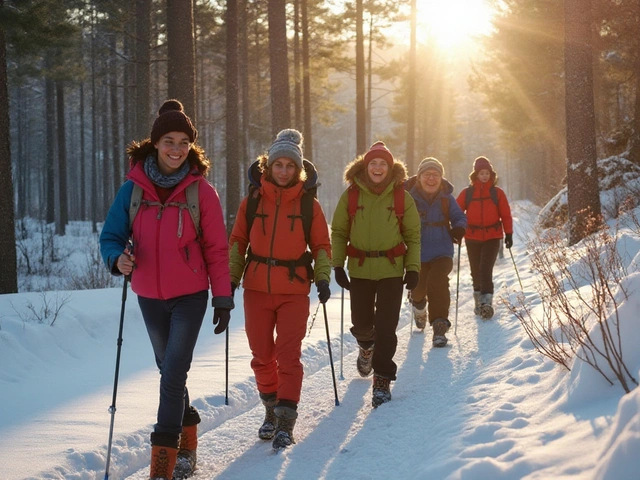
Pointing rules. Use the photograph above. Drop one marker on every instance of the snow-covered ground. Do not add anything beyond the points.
(488, 406)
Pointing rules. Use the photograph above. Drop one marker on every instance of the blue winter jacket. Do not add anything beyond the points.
(436, 241)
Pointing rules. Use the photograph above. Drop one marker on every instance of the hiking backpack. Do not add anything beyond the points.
(193, 205)
(493, 193)
(398, 203)
(309, 194)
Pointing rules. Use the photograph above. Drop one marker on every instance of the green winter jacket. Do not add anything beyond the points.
(375, 227)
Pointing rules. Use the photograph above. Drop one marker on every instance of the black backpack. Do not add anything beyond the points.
(306, 208)
(469, 196)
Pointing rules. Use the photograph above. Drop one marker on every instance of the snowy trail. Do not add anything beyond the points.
(431, 390)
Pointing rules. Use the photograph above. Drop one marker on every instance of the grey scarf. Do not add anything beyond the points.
(165, 181)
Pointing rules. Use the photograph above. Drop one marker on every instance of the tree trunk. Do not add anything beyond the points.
(361, 120)
(143, 69)
(63, 194)
(634, 152)
(8, 272)
(411, 92)
(279, 67)
(297, 84)
(243, 68)
(231, 134)
(50, 155)
(83, 159)
(306, 83)
(117, 117)
(181, 68)
(582, 171)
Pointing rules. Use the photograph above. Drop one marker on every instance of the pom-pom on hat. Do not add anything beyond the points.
(430, 163)
(171, 118)
(378, 150)
(482, 163)
(288, 144)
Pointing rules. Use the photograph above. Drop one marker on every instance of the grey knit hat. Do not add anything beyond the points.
(287, 144)
(430, 163)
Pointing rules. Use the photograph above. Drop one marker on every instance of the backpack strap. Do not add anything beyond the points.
(445, 210)
(193, 203)
(134, 204)
(352, 202)
(469, 195)
(306, 208)
(253, 199)
(398, 205)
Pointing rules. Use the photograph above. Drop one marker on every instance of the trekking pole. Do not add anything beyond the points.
(112, 408)
(341, 334)
(455, 323)
(516, 268)
(333, 373)
(226, 367)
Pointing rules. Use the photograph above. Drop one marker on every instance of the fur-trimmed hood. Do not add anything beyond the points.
(357, 169)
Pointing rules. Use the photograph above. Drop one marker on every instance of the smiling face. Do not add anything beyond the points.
(430, 180)
(378, 169)
(484, 175)
(173, 149)
(283, 171)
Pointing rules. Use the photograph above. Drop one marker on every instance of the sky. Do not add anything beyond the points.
(487, 406)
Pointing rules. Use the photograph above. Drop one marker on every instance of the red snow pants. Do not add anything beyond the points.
(276, 358)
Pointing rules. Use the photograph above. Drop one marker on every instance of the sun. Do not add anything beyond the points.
(453, 23)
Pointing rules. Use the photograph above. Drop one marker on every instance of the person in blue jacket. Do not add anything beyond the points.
(443, 224)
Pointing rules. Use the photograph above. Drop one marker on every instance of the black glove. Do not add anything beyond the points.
(508, 240)
(341, 277)
(221, 317)
(233, 289)
(411, 279)
(323, 291)
(457, 234)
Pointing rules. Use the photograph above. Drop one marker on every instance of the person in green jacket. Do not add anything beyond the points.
(377, 226)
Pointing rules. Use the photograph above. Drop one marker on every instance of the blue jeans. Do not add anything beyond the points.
(173, 326)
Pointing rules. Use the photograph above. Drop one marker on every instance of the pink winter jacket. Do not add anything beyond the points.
(167, 265)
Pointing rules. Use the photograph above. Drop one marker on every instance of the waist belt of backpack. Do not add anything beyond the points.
(442, 223)
(396, 251)
(498, 224)
(305, 260)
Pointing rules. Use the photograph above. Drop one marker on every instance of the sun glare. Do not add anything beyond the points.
(452, 23)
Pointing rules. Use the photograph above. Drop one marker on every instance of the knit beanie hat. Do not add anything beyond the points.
(378, 150)
(288, 144)
(482, 163)
(430, 163)
(171, 118)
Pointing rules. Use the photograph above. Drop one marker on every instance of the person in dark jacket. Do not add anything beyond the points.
(488, 218)
(272, 259)
(172, 265)
(443, 224)
(383, 250)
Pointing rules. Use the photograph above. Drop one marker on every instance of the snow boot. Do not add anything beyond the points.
(164, 453)
(486, 309)
(440, 328)
(186, 460)
(381, 391)
(365, 357)
(268, 428)
(420, 316)
(476, 300)
(286, 414)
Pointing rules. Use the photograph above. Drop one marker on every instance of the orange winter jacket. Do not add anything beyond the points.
(485, 219)
(277, 233)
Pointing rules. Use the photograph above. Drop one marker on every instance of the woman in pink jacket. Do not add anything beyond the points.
(176, 256)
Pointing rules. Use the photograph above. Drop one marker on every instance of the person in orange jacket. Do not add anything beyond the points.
(273, 258)
(488, 219)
